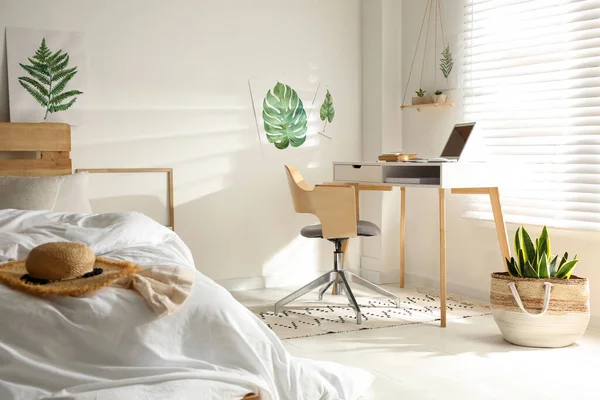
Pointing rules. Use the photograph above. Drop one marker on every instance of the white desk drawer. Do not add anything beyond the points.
(357, 173)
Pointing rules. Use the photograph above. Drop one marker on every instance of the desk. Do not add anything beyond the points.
(459, 178)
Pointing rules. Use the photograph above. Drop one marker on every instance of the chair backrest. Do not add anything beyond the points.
(335, 206)
(300, 190)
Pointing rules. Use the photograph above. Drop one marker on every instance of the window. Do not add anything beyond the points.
(532, 81)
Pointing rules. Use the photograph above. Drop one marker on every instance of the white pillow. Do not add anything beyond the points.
(29, 193)
(73, 194)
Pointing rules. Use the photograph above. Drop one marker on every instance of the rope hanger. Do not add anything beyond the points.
(427, 14)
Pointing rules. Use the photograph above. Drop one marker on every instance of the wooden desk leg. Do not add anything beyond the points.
(442, 194)
(500, 225)
(402, 233)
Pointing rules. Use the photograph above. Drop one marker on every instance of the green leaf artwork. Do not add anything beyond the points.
(284, 117)
(48, 79)
(446, 62)
(327, 111)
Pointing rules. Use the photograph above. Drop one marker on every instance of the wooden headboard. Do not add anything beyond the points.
(51, 140)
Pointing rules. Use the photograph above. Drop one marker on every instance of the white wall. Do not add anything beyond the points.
(381, 126)
(168, 87)
(472, 249)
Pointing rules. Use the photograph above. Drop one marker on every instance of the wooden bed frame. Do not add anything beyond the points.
(53, 142)
(168, 171)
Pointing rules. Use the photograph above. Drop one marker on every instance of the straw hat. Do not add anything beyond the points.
(63, 269)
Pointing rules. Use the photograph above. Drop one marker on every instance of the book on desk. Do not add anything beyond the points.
(391, 157)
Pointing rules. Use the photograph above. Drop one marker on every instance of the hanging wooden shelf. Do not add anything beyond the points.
(433, 12)
(419, 106)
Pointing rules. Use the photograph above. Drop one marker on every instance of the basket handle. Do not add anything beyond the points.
(513, 289)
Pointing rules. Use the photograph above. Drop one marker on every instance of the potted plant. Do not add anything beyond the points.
(421, 98)
(538, 302)
(440, 97)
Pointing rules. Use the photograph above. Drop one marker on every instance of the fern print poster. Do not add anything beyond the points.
(47, 73)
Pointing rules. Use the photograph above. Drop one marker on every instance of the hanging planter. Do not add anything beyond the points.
(445, 66)
(421, 98)
(439, 97)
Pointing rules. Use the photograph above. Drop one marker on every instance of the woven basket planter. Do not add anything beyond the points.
(540, 312)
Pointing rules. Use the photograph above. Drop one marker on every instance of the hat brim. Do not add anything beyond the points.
(11, 273)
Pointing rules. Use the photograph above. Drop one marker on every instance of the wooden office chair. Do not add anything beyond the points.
(335, 206)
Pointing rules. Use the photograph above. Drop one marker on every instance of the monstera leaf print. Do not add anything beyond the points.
(327, 111)
(284, 117)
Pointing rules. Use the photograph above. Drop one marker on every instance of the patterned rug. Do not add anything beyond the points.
(309, 317)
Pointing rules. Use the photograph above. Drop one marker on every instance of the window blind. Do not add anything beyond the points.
(532, 81)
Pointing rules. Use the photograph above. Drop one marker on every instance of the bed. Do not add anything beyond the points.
(110, 345)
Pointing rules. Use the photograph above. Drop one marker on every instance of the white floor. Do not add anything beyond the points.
(468, 360)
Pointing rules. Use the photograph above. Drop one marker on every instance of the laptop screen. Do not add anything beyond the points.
(457, 140)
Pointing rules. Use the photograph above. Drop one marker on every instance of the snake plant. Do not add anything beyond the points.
(537, 261)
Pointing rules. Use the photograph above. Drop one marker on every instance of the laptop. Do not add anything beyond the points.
(454, 145)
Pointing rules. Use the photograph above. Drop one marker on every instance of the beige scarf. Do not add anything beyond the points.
(164, 289)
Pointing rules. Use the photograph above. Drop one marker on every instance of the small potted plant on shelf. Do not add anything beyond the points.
(421, 98)
(440, 97)
(538, 302)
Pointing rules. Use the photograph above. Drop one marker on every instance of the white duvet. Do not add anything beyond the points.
(111, 345)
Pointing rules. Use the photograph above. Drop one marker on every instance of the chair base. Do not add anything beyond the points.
(341, 278)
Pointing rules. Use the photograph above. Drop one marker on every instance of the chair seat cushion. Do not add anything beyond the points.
(363, 228)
